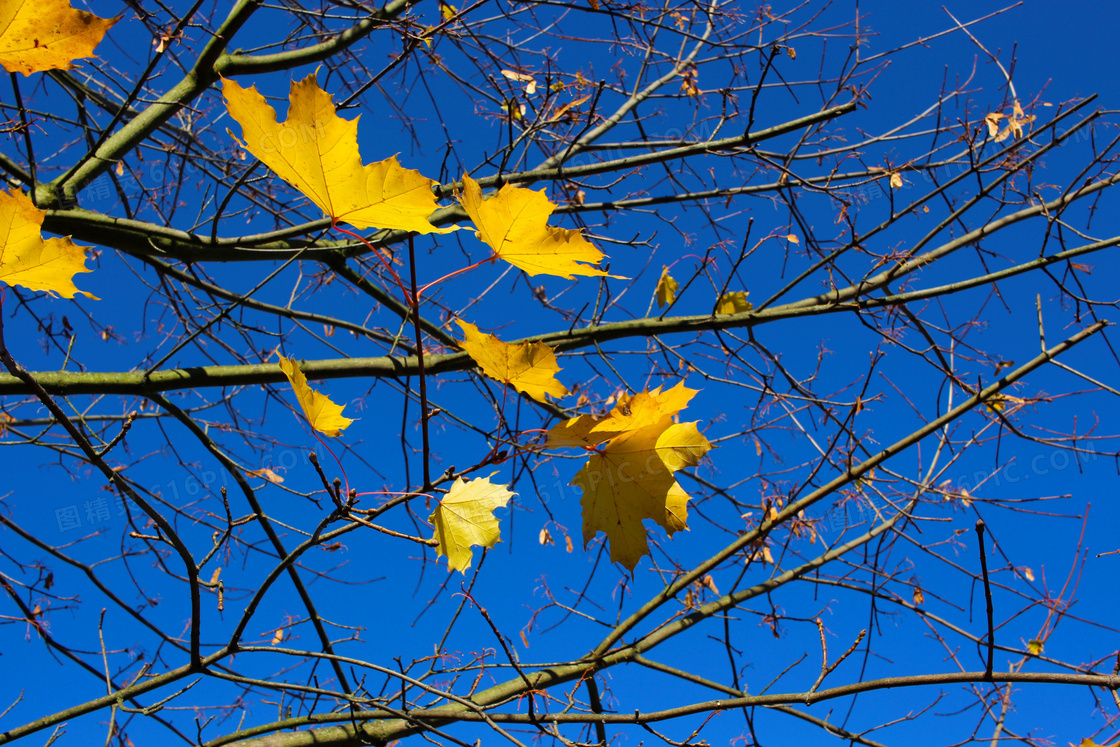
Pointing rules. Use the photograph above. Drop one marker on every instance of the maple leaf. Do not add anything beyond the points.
(630, 476)
(643, 409)
(529, 367)
(1035, 647)
(465, 517)
(514, 223)
(666, 288)
(316, 151)
(631, 480)
(323, 415)
(733, 303)
(576, 432)
(47, 35)
(26, 259)
(629, 413)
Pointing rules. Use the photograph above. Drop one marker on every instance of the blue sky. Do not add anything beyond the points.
(1059, 55)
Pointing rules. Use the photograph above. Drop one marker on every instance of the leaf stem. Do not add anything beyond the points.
(450, 275)
(414, 303)
(380, 256)
(25, 126)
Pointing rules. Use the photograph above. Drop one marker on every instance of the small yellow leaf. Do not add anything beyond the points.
(1029, 574)
(792, 238)
(733, 303)
(529, 367)
(266, 474)
(529, 81)
(514, 223)
(316, 151)
(1015, 123)
(323, 415)
(277, 637)
(1035, 647)
(514, 109)
(919, 596)
(568, 110)
(992, 120)
(37, 35)
(666, 288)
(26, 259)
(896, 180)
(465, 517)
(120, 168)
(545, 537)
(448, 11)
(214, 576)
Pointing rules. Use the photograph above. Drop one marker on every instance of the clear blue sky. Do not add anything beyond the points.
(1060, 54)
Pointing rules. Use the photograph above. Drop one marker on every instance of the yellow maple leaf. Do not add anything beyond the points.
(514, 223)
(629, 413)
(38, 35)
(631, 480)
(465, 517)
(733, 303)
(529, 367)
(666, 288)
(323, 415)
(316, 151)
(644, 409)
(26, 259)
(576, 432)
(1034, 646)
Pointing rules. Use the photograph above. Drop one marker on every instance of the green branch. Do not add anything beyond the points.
(139, 237)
